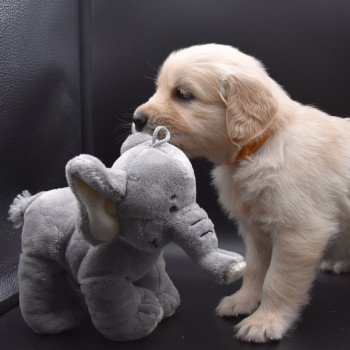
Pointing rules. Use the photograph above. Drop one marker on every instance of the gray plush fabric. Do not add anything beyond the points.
(97, 244)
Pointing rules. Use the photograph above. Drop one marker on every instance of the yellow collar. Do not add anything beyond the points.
(248, 150)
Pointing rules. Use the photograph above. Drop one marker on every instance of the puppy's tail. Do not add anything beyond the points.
(19, 206)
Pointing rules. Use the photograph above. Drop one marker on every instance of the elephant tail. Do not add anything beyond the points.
(19, 206)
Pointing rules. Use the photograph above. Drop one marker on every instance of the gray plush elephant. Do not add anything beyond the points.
(101, 239)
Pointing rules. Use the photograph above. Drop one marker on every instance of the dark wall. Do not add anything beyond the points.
(39, 108)
(304, 44)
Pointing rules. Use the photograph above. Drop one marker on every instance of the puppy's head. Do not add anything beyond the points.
(213, 98)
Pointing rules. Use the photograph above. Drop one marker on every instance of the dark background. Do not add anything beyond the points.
(40, 114)
(71, 74)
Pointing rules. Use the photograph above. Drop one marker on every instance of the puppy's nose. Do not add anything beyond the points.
(140, 120)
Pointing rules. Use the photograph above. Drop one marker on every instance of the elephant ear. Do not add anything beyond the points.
(98, 191)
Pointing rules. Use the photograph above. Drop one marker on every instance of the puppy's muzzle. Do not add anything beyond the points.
(140, 120)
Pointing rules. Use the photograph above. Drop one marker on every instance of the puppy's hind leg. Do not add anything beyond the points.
(337, 257)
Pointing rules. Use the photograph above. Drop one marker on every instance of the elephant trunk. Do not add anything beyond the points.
(194, 232)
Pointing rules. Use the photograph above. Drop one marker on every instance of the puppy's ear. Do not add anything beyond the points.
(250, 108)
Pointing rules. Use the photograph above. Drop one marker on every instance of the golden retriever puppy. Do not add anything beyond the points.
(282, 171)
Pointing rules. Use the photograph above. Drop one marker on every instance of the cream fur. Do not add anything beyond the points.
(291, 199)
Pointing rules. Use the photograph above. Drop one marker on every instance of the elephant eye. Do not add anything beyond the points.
(173, 208)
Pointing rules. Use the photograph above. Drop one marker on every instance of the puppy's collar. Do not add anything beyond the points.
(250, 149)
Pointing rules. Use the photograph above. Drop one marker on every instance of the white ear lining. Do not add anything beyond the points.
(103, 222)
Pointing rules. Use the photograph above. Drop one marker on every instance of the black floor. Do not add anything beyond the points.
(325, 322)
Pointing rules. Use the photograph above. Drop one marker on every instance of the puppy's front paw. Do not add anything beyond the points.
(240, 303)
(261, 328)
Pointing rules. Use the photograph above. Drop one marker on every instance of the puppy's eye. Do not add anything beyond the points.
(183, 95)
